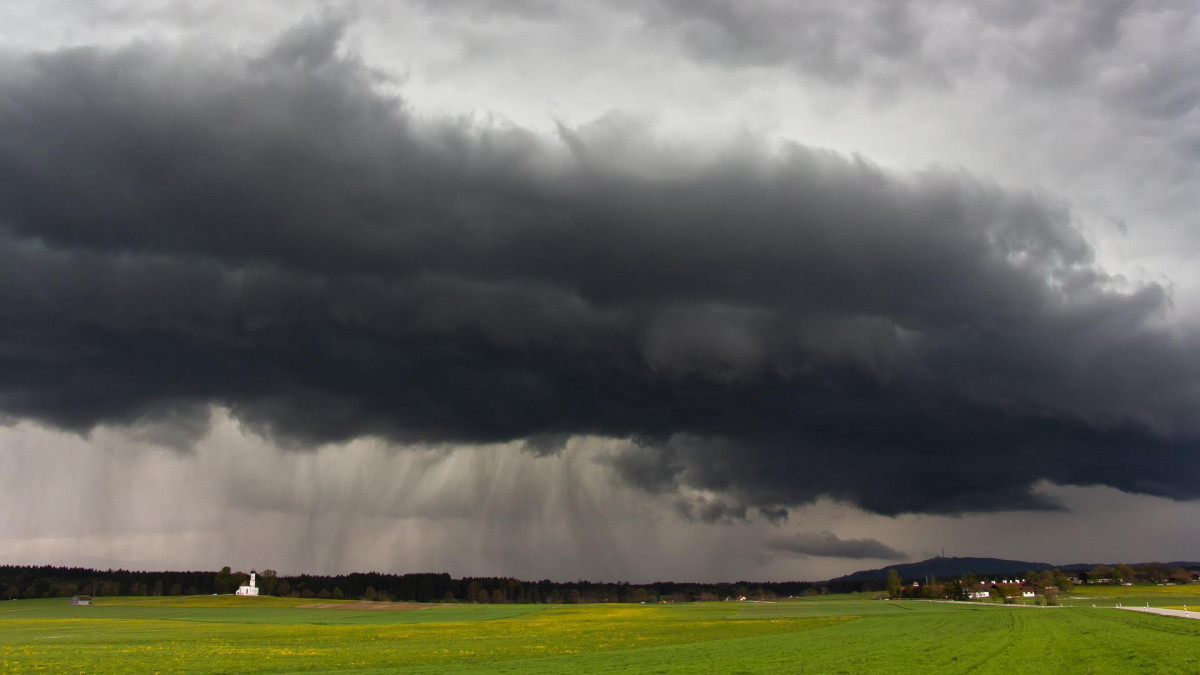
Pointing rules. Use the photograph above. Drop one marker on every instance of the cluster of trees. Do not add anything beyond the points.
(44, 582)
(1049, 585)
(1151, 573)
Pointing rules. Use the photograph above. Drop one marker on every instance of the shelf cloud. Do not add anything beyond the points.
(281, 235)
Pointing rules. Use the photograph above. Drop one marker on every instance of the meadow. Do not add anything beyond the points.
(828, 634)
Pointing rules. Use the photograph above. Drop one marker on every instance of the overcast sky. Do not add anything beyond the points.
(616, 290)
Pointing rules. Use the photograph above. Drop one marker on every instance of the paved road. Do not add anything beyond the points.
(1190, 614)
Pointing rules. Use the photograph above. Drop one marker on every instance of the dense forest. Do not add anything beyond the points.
(46, 581)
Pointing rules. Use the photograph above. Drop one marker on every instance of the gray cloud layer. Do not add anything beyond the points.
(940, 43)
(180, 228)
(828, 545)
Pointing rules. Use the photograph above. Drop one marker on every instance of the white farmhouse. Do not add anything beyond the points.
(250, 589)
(979, 593)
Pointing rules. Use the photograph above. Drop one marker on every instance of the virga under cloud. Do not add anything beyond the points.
(275, 234)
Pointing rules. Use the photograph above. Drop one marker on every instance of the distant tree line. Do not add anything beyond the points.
(50, 582)
(47, 582)
(1152, 573)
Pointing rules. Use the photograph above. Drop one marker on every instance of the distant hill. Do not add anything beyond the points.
(984, 567)
(949, 567)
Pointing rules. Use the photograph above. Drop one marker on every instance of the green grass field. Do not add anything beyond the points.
(831, 634)
(1172, 597)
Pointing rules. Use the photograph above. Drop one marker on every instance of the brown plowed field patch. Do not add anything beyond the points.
(367, 604)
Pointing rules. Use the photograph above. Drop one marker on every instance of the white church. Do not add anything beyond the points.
(250, 588)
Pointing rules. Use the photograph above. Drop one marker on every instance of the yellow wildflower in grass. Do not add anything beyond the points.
(220, 635)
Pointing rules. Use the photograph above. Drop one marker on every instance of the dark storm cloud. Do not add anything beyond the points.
(828, 545)
(186, 227)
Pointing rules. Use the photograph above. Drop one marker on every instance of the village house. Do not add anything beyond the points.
(1005, 588)
(980, 592)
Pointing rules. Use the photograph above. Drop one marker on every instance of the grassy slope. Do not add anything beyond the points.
(833, 634)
